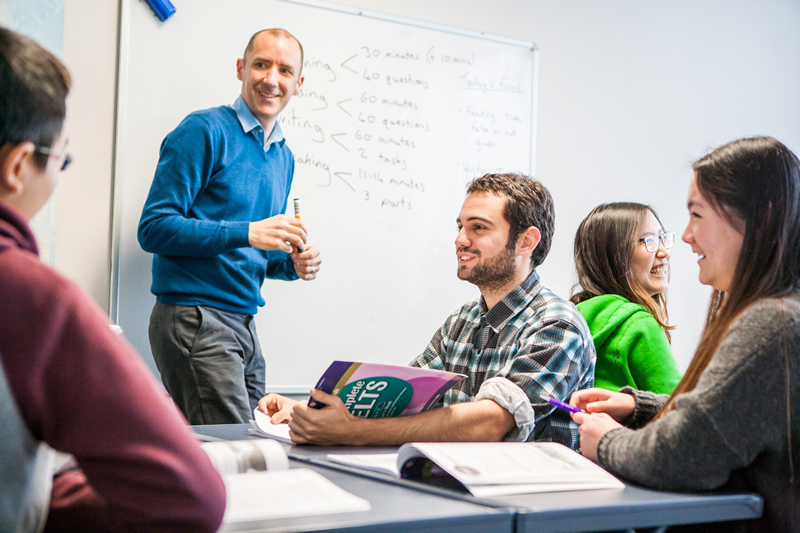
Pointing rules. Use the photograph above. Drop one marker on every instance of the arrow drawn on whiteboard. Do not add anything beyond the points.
(348, 68)
(339, 105)
(339, 175)
(334, 139)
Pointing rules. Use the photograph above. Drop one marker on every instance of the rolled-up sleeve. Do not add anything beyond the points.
(510, 397)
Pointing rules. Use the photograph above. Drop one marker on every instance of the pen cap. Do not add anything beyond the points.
(163, 9)
(296, 207)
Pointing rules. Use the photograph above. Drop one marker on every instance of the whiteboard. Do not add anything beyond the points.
(394, 118)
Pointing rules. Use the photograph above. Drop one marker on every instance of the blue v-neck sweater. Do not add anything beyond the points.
(213, 178)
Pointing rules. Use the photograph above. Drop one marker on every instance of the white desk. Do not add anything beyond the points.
(595, 510)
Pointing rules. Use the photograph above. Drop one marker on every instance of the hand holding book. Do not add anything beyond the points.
(373, 390)
(364, 390)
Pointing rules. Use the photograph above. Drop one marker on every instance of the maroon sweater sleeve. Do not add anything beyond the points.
(85, 391)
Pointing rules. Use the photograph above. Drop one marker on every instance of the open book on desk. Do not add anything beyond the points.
(260, 485)
(488, 468)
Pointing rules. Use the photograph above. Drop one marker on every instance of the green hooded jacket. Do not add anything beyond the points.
(632, 349)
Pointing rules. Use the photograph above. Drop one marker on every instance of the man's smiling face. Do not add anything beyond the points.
(485, 254)
(270, 74)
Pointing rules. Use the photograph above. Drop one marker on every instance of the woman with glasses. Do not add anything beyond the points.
(733, 421)
(622, 259)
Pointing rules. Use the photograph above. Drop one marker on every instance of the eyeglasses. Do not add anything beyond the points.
(65, 158)
(651, 241)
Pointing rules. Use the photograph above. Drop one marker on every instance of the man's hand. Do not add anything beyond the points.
(278, 408)
(306, 263)
(479, 421)
(618, 405)
(327, 426)
(277, 233)
(591, 430)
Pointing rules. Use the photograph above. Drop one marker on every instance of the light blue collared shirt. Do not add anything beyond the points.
(250, 123)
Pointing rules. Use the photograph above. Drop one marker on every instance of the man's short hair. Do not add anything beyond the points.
(277, 32)
(528, 203)
(33, 94)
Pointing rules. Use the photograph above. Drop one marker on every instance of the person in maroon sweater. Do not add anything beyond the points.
(77, 386)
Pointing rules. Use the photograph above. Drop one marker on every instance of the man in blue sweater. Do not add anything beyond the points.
(214, 220)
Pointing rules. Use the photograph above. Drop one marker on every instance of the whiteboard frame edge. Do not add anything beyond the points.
(294, 390)
(415, 22)
(117, 178)
(534, 111)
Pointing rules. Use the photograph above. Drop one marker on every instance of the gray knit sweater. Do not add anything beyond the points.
(731, 430)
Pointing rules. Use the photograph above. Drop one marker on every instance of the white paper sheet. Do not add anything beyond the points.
(385, 463)
(285, 493)
(264, 426)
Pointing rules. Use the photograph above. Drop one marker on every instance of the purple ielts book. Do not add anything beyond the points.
(376, 391)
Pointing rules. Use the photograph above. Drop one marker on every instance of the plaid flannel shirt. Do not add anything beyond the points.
(531, 346)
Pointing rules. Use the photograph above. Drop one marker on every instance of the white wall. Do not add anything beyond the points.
(631, 93)
(84, 190)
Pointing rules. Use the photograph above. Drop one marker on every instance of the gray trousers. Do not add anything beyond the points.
(210, 362)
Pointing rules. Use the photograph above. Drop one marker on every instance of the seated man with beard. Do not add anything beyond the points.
(519, 344)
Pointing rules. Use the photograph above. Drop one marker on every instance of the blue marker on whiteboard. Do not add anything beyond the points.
(162, 8)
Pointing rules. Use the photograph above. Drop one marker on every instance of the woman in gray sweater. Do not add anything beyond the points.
(734, 419)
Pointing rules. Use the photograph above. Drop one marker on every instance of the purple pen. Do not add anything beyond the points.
(566, 406)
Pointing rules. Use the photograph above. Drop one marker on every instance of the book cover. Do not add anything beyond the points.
(376, 391)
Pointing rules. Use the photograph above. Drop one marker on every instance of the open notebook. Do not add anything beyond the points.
(261, 486)
(489, 468)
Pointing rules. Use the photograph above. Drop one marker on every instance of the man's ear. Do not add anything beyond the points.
(239, 68)
(528, 240)
(299, 84)
(13, 161)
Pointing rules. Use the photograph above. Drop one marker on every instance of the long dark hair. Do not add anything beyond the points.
(756, 182)
(604, 248)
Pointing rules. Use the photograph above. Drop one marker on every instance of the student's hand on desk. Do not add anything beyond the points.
(618, 405)
(277, 233)
(591, 430)
(277, 407)
(307, 262)
(327, 426)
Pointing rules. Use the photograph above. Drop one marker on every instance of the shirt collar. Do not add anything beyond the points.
(249, 122)
(514, 302)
